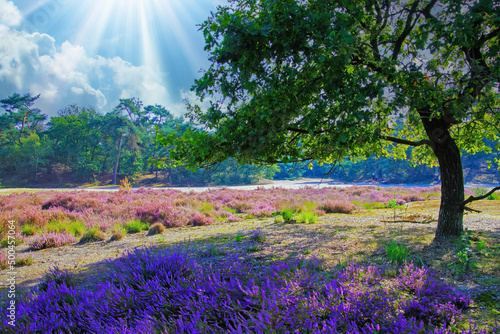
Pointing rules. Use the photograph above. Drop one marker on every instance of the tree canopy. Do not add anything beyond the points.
(315, 80)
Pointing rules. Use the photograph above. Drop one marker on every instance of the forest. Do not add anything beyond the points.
(82, 146)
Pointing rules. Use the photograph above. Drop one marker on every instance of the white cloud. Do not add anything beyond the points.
(9, 14)
(66, 74)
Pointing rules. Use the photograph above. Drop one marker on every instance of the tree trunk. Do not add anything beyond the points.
(117, 158)
(450, 221)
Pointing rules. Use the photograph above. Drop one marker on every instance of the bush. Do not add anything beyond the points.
(258, 236)
(56, 277)
(199, 219)
(156, 228)
(51, 240)
(338, 207)
(287, 215)
(92, 235)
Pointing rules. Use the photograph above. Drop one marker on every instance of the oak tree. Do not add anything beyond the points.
(315, 80)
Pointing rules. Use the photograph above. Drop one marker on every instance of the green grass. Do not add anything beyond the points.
(29, 230)
(397, 253)
(135, 226)
(210, 251)
(253, 249)
(93, 234)
(206, 208)
(24, 261)
(370, 206)
(307, 217)
(6, 242)
(77, 229)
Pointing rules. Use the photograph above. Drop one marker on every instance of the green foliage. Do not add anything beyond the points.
(308, 82)
(258, 236)
(22, 261)
(92, 235)
(118, 232)
(307, 217)
(29, 230)
(393, 203)
(238, 237)
(135, 226)
(462, 252)
(76, 228)
(287, 215)
(206, 208)
(397, 253)
(253, 249)
(210, 251)
(6, 242)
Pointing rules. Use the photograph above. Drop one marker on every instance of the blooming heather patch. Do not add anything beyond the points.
(51, 240)
(199, 219)
(338, 207)
(172, 290)
(174, 208)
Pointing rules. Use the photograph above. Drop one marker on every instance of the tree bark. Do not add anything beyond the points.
(450, 220)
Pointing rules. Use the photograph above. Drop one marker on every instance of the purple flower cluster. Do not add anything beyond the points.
(51, 240)
(338, 206)
(171, 291)
(174, 208)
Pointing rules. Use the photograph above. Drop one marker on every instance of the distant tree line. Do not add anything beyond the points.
(81, 145)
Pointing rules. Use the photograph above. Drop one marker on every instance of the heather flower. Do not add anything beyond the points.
(338, 206)
(51, 240)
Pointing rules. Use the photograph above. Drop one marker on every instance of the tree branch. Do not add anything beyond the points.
(477, 198)
(406, 31)
(304, 131)
(407, 142)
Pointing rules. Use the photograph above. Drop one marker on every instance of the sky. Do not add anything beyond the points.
(94, 52)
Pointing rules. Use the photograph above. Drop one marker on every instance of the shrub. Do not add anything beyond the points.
(161, 212)
(135, 226)
(92, 235)
(258, 236)
(199, 219)
(338, 207)
(392, 203)
(56, 277)
(24, 260)
(156, 228)
(51, 240)
(287, 215)
(118, 234)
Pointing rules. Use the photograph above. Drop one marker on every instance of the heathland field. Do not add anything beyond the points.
(331, 260)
